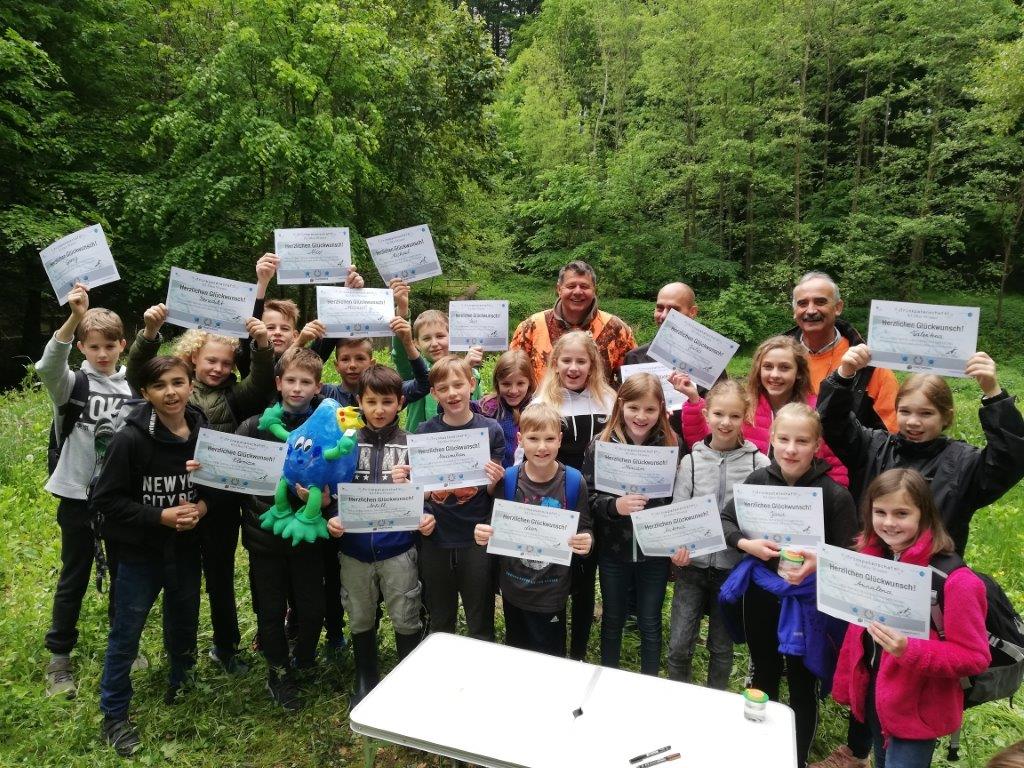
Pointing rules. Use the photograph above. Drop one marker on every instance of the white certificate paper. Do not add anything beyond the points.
(783, 514)
(312, 255)
(81, 257)
(408, 253)
(375, 507)
(689, 347)
(236, 463)
(454, 459)
(216, 304)
(649, 470)
(673, 399)
(532, 532)
(922, 337)
(862, 588)
(355, 313)
(478, 324)
(693, 524)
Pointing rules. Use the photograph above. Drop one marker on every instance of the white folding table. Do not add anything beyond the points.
(502, 707)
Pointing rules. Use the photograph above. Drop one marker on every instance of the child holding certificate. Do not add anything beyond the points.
(714, 464)
(639, 417)
(906, 690)
(797, 640)
(514, 384)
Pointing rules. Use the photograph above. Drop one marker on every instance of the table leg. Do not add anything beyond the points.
(369, 752)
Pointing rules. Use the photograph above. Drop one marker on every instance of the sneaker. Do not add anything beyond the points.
(841, 757)
(231, 663)
(173, 694)
(283, 689)
(122, 736)
(335, 648)
(141, 662)
(60, 681)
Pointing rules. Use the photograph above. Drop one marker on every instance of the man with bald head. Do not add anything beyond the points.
(677, 296)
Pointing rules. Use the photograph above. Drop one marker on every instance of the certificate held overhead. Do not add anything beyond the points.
(81, 257)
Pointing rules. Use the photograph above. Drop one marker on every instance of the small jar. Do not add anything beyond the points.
(755, 704)
(789, 561)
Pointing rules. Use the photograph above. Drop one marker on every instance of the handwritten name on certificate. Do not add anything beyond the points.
(862, 588)
(374, 507)
(312, 255)
(454, 459)
(785, 515)
(649, 470)
(195, 300)
(532, 532)
(236, 463)
(922, 337)
(673, 399)
(478, 323)
(693, 524)
(408, 253)
(81, 257)
(691, 348)
(355, 312)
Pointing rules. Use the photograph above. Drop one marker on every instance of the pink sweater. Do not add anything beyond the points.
(695, 428)
(918, 695)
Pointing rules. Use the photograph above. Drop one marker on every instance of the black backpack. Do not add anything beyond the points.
(1005, 635)
(66, 418)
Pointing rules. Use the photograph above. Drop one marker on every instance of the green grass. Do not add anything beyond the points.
(229, 721)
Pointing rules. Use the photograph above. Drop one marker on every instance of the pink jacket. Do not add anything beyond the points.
(695, 428)
(918, 695)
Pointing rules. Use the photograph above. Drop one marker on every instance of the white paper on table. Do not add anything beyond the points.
(355, 313)
(453, 459)
(312, 255)
(532, 532)
(478, 324)
(649, 470)
(216, 304)
(863, 588)
(673, 400)
(932, 338)
(689, 347)
(236, 463)
(407, 253)
(81, 257)
(787, 515)
(375, 507)
(693, 524)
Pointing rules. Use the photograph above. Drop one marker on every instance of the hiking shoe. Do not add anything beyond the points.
(231, 663)
(842, 757)
(284, 690)
(60, 681)
(141, 662)
(122, 736)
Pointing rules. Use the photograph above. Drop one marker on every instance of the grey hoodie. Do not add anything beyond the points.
(106, 394)
(706, 471)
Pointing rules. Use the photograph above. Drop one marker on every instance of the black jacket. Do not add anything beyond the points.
(963, 478)
(841, 522)
(143, 474)
(615, 531)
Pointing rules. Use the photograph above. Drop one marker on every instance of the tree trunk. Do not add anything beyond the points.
(1009, 239)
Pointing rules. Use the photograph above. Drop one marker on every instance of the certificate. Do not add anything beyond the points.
(532, 532)
(922, 337)
(355, 313)
(81, 257)
(673, 399)
(212, 303)
(689, 347)
(783, 514)
(454, 459)
(693, 524)
(374, 507)
(312, 255)
(646, 469)
(862, 588)
(478, 324)
(236, 463)
(408, 254)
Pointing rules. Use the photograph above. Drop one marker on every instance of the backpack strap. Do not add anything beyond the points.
(942, 565)
(71, 411)
(511, 481)
(573, 483)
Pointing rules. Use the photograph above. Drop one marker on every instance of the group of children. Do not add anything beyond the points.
(907, 496)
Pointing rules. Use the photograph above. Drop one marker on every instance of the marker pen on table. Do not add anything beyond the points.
(660, 760)
(638, 758)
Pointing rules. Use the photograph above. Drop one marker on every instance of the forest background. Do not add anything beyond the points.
(730, 143)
